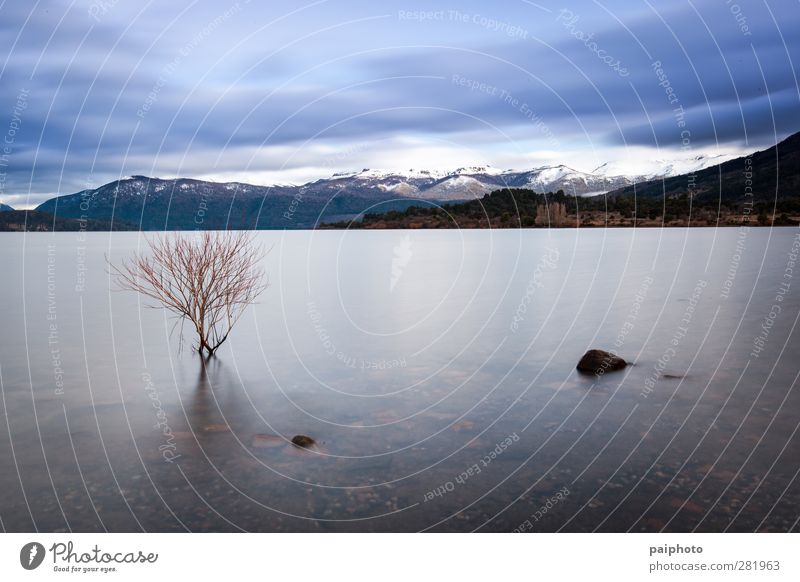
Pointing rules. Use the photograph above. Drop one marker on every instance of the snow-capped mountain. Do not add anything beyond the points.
(571, 181)
(188, 203)
(464, 183)
(662, 168)
(475, 181)
(468, 182)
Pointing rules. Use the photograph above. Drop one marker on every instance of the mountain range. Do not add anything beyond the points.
(769, 175)
(183, 203)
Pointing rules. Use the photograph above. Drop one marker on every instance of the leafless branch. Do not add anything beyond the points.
(207, 279)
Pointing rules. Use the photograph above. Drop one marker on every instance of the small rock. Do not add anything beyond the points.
(463, 425)
(216, 428)
(599, 362)
(302, 440)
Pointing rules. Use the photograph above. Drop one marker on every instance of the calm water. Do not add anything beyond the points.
(436, 372)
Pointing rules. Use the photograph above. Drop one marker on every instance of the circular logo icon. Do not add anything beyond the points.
(31, 555)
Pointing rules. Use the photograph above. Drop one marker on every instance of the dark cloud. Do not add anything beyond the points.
(135, 88)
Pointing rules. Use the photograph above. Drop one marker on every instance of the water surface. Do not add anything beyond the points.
(435, 369)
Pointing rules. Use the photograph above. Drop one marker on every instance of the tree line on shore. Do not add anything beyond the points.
(517, 207)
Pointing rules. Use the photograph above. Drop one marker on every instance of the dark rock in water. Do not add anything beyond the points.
(302, 440)
(599, 362)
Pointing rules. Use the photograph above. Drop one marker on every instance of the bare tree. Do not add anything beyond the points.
(207, 279)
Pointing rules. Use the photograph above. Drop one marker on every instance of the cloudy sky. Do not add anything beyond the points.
(286, 91)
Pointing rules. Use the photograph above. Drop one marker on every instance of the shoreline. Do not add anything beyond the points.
(327, 229)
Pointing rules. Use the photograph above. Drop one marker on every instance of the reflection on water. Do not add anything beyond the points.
(435, 371)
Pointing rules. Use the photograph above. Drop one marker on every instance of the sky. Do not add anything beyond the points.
(288, 92)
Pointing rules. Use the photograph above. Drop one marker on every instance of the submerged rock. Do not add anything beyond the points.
(302, 440)
(599, 362)
(216, 428)
(265, 441)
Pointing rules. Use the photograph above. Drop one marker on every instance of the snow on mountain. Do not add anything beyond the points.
(377, 174)
(561, 177)
(459, 184)
(467, 182)
(400, 189)
(488, 170)
(662, 168)
(458, 187)
(548, 175)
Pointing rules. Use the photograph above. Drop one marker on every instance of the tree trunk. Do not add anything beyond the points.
(205, 346)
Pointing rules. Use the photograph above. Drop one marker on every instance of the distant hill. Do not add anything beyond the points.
(521, 208)
(34, 221)
(714, 196)
(471, 182)
(5, 207)
(184, 204)
(775, 174)
(158, 204)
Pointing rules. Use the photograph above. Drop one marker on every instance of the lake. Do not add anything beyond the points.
(435, 370)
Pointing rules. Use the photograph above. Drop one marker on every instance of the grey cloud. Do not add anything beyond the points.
(88, 123)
